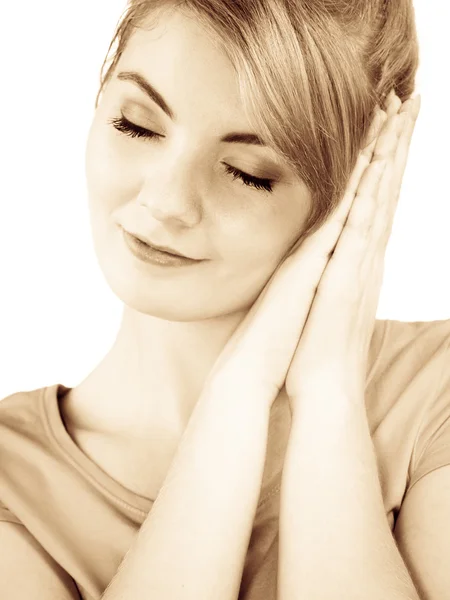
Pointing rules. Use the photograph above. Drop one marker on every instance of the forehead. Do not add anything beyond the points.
(187, 64)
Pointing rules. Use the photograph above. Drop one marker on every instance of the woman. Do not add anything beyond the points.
(253, 432)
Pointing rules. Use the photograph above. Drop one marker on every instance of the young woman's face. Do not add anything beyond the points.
(182, 188)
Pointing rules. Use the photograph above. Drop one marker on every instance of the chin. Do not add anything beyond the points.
(172, 298)
(179, 305)
(172, 295)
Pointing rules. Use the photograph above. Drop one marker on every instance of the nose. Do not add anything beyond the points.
(171, 195)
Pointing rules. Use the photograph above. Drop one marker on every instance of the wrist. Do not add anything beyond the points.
(239, 395)
(326, 398)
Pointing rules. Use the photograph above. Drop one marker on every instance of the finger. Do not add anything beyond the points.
(323, 241)
(384, 204)
(391, 184)
(365, 204)
(357, 241)
(387, 141)
(362, 213)
(411, 110)
(345, 273)
(365, 158)
(378, 119)
(407, 117)
(393, 104)
(405, 123)
(280, 296)
(412, 106)
(401, 156)
(390, 188)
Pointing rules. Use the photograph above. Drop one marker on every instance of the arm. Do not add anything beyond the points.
(335, 540)
(193, 544)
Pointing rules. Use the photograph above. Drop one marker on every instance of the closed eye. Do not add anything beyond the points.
(123, 125)
(250, 180)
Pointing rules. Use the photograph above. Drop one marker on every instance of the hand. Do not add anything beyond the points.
(258, 355)
(333, 349)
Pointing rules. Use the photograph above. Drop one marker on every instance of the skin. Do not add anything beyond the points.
(176, 190)
(176, 321)
(348, 538)
(333, 531)
(351, 283)
(336, 271)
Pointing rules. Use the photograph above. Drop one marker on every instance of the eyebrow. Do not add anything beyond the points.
(147, 88)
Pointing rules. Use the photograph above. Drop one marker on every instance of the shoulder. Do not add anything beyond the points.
(409, 364)
(6, 516)
(23, 446)
(20, 418)
(429, 333)
(408, 354)
(408, 399)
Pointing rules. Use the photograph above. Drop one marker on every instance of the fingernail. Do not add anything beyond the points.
(391, 95)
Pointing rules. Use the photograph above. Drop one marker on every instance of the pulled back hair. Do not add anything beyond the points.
(311, 72)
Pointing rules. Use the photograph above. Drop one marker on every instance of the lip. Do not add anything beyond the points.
(165, 249)
(156, 255)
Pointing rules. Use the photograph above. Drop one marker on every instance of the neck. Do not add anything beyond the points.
(153, 375)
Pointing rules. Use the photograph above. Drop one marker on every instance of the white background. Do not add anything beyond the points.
(58, 317)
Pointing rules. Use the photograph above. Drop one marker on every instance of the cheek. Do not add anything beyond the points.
(108, 175)
(251, 247)
(258, 238)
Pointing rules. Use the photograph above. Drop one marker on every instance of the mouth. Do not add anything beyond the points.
(164, 249)
(161, 256)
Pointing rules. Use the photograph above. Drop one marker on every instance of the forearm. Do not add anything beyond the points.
(193, 544)
(335, 541)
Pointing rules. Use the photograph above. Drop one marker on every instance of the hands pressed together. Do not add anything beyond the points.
(309, 331)
(311, 327)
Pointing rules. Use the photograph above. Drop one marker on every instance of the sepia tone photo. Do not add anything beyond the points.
(254, 426)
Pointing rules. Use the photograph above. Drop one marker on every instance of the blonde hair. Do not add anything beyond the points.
(311, 73)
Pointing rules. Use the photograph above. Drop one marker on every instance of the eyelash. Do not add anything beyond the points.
(126, 127)
(250, 180)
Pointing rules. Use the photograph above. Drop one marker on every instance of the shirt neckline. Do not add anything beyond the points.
(57, 431)
(99, 478)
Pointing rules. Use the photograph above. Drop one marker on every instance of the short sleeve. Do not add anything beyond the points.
(7, 515)
(35, 568)
(433, 444)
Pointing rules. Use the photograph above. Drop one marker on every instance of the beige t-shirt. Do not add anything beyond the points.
(83, 521)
